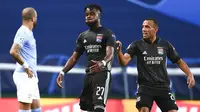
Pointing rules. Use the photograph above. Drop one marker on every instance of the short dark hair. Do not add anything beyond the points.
(154, 21)
(93, 6)
(28, 13)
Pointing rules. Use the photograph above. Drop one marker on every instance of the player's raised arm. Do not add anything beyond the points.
(125, 58)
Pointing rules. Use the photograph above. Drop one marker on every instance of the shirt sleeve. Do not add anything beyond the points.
(20, 38)
(79, 45)
(111, 40)
(172, 54)
(131, 49)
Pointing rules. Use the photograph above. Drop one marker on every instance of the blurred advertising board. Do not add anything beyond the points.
(113, 105)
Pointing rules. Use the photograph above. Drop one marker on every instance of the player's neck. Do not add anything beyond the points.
(98, 25)
(28, 24)
(95, 27)
(153, 39)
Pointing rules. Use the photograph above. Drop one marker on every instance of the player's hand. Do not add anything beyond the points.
(190, 81)
(59, 80)
(97, 66)
(119, 45)
(29, 72)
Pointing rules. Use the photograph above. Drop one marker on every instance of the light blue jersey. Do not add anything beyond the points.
(24, 37)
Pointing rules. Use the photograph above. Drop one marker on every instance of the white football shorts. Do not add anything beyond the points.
(27, 88)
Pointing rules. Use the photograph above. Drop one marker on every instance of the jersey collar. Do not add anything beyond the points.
(96, 29)
(155, 42)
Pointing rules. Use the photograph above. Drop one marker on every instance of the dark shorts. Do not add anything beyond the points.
(95, 91)
(163, 98)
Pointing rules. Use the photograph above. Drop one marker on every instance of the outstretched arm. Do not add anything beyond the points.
(175, 58)
(68, 66)
(71, 62)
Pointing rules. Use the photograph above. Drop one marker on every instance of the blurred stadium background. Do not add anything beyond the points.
(59, 24)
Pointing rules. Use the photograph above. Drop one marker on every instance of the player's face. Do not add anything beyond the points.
(91, 16)
(35, 20)
(148, 29)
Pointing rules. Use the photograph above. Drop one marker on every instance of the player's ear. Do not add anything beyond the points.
(32, 19)
(156, 29)
(99, 14)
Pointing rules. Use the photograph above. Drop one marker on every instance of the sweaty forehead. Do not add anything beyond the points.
(148, 22)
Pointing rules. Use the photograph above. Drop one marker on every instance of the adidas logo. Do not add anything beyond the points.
(145, 52)
(100, 98)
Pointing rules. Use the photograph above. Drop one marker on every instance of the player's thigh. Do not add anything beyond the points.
(25, 87)
(36, 91)
(101, 85)
(36, 97)
(166, 102)
(144, 102)
(86, 95)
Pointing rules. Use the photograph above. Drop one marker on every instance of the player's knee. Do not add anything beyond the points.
(24, 106)
(99, 108)
(144, 109)
(35, 104)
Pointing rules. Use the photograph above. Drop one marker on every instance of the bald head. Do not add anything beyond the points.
(28, 13)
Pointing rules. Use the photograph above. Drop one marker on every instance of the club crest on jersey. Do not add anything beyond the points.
(160, 50)
(99, 38)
